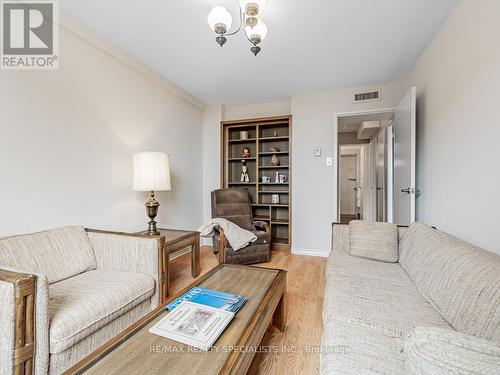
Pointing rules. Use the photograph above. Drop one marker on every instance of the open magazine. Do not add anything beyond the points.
(193, 324)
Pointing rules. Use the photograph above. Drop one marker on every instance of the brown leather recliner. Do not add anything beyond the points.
(234, 204)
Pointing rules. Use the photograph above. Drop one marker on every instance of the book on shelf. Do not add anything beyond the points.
(193, 324)
(208, 297)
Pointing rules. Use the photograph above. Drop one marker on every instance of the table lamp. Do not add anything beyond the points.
(151, 173)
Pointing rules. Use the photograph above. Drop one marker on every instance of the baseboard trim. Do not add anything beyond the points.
(311, 252)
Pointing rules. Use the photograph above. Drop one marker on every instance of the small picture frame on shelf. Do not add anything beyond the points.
(275, 199)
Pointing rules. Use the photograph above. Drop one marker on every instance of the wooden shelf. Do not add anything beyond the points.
(273, 183)
(249, 140)
(240, 159)
(269, 204)
(273, 192)
(242, 183)
(261, 218)
(273, 153)
(273, 166)
(279, 222)
(279, 240)
(279, 138)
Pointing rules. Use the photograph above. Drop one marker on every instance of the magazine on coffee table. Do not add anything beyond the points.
(209, 297)
(193, 324)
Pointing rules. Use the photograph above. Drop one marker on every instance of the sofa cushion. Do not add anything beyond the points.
(461, 281)
(57, 253)
(378, 241)
(376, 295)
(80, 305)
(431, 350)
(352, 349)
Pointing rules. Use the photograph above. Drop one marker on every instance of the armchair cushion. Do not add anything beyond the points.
(57, 253)
(233, 205)
(82, 304)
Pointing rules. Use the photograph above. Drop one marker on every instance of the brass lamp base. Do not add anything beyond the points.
(152, 210)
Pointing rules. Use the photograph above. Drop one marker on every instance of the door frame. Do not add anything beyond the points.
(336, 151)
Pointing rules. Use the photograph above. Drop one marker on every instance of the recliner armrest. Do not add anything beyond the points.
(262, 225)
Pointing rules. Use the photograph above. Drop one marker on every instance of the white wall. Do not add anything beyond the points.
(458, 81)
(314, 206)
(268, 109)
(211, 155)
(67, 139)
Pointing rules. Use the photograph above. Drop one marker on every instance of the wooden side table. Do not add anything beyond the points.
(177, 240)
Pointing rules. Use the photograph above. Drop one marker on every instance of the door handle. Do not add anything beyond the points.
(407, 190)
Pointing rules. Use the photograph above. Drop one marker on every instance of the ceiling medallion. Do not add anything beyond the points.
(220, 21)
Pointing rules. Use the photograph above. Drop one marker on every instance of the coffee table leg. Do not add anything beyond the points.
(279, 316)
(195, 257)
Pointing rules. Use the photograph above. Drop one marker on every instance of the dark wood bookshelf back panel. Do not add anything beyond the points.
(265, 160)
(266, 137)
(236, 149)
(273, 146)
(273, 130)
(235, 133)
(235, 171)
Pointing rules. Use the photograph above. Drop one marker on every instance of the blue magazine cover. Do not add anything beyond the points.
(208, 297)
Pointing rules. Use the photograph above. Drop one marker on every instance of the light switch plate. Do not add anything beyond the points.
(317, 152)
(329, 162)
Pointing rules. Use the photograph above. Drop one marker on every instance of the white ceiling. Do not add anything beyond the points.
(350, 124)
(311, 45)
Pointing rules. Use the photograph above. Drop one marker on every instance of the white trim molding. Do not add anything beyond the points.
(73, 26)
(311, 252)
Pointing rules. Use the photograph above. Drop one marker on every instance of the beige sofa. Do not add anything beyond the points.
(87, 287)
(371, 307)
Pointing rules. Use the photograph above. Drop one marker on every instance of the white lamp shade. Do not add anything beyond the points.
(260, 3)
(151, 171)
(259, 30)
(217, 15)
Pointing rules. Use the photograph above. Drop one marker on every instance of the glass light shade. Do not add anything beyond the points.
(219, 15)
(258, 32)
(151, 171)
(260, 3)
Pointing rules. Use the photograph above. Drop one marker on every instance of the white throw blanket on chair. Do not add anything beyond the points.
(236, 236)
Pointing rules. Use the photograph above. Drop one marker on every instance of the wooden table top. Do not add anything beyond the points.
(174, 235)
(137, 351)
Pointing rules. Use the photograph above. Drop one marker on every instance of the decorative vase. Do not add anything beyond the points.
(243, 134)
(275, 161)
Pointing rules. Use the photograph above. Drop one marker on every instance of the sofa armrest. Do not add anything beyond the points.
(340, 238)
(262, 225)
(116, 251)
(24, 346)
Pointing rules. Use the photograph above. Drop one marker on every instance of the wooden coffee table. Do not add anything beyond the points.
(136, 351)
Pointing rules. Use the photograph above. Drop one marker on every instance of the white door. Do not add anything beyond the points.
(347, 177)
(405, 159)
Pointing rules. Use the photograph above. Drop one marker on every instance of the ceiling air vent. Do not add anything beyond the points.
(366, 96)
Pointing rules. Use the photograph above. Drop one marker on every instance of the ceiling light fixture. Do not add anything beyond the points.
(220, 21)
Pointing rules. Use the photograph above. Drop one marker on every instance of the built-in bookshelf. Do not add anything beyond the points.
(265, 138)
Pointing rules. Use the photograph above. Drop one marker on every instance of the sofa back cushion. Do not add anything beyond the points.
(57, 253)
(461, 281)
(377, 241)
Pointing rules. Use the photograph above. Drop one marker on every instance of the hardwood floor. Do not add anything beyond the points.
(295, 350)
